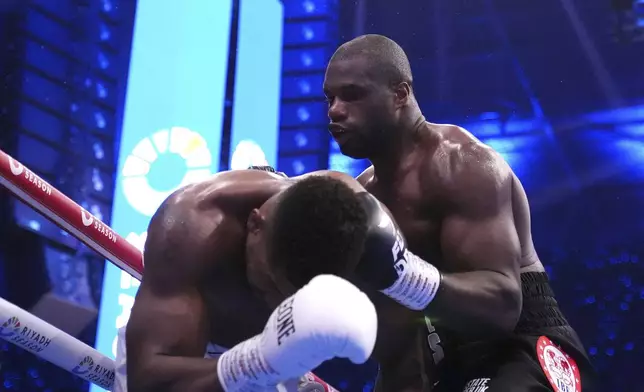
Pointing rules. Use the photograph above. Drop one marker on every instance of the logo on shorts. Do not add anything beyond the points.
(85, 366)
(561, 370)
(477, 385)
(10, 327)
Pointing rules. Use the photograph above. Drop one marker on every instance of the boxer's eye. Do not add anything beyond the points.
(352, 93)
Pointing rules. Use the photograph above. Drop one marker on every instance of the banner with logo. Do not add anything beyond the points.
(174, 113)
(171, 127)
(255, 125)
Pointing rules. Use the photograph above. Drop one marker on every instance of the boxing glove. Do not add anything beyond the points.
(387, 265)
(329, 317)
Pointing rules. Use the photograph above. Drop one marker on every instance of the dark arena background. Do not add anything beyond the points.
(118, 102)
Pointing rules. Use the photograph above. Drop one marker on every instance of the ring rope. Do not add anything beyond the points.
(41, 196)
(53, 345)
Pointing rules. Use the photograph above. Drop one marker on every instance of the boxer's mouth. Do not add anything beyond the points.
(336, 129)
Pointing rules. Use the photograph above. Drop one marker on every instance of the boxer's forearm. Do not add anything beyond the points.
(176, 374)
(478, 302)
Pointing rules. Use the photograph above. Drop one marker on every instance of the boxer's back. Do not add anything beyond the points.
(197, 241)
(225, 202)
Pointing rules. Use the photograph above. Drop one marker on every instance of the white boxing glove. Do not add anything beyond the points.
(327, 318)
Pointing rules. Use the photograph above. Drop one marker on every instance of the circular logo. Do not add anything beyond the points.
(561, 370)
(167, 153)
(10, 327)
(84, 366)
(247, 153)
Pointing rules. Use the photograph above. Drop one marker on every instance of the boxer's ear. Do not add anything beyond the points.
(255, 221)
(403, 94)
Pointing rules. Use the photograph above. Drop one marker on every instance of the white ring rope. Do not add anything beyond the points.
(53, 345)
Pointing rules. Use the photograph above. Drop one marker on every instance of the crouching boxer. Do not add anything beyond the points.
(212, 280)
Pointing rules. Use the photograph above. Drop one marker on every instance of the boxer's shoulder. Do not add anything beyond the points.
(239, 185)
(462, 165)
(463, 151)
(192, 232)
(223, 195)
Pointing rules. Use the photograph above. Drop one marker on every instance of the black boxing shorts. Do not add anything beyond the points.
(543, 354)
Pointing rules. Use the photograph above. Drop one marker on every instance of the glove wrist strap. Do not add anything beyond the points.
(417, 282)
(243, 368)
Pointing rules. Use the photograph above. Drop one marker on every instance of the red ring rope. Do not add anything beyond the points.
(63, 211)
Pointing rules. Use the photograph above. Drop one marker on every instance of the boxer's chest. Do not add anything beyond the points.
(234, 312)
(417, 213)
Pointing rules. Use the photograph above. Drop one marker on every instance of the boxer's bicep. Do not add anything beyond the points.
(486, 242)
(478, 230)
(169, 311)
(169, 318)
(166, 340)
(481, 290)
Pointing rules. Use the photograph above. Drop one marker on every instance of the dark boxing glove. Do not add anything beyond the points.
(388, 266)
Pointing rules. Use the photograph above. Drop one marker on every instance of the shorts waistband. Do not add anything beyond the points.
(540, 308)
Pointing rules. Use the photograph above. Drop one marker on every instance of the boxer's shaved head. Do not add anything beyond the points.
(319, 226)
(368, 86)
(387, 61)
